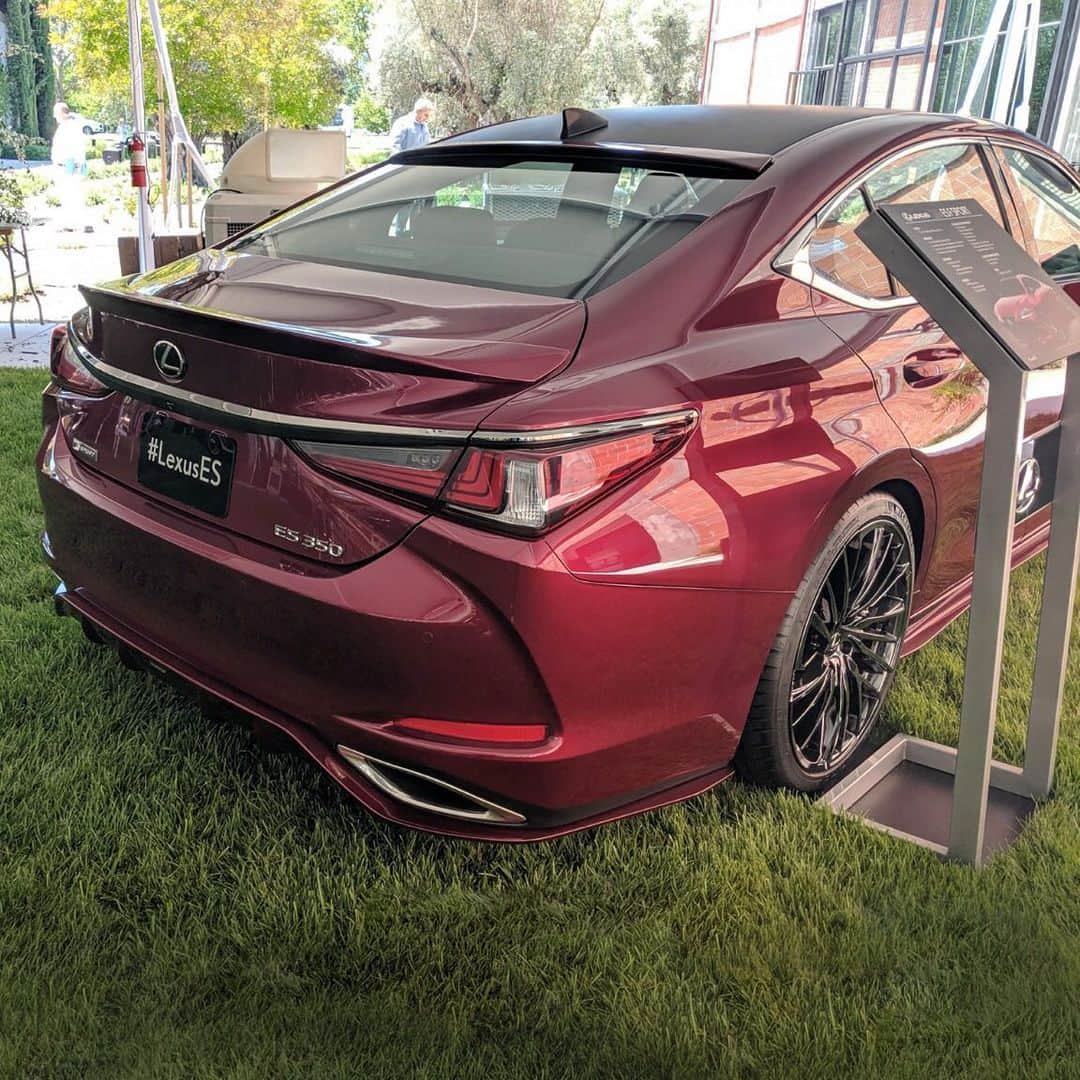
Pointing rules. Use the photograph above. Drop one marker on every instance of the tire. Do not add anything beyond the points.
(836, 653)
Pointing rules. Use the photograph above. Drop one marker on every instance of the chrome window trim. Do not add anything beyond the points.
(290, 424)
(794, 258)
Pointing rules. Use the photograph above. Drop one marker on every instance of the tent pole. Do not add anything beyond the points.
(135, 55)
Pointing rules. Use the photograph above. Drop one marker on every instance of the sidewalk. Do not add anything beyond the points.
(59, 262)
(30, 349)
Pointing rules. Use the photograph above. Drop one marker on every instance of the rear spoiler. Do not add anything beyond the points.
(326, 345)
(735, 164)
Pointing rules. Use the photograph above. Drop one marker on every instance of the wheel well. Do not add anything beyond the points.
(908, 497)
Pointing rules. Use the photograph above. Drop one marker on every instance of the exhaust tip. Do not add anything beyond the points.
(427, 793)
(59, 600)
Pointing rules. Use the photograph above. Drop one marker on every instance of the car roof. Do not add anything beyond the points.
(757, 129)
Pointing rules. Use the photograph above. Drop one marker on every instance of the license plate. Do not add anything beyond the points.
(190, 464)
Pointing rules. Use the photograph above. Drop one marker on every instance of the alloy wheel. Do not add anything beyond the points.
(851, 646)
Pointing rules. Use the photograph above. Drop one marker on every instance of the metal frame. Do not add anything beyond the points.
(830, 76)
(971, 763)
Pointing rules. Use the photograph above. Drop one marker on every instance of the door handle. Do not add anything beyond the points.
(930, 367)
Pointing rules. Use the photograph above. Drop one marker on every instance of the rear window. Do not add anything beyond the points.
(560, 228)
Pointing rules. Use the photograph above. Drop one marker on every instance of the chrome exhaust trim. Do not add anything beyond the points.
(381, 775)
(59, 600)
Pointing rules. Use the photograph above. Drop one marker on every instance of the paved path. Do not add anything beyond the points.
(59, 261)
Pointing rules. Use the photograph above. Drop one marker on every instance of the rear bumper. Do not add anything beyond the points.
(643, 690)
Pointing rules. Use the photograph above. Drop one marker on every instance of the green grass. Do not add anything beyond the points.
(175, 902)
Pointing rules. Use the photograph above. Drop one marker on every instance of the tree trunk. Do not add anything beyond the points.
(230, 143)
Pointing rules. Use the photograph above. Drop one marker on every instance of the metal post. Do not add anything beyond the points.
(1006, 409)
(1059, 591)
(162, 150)
(135, 55)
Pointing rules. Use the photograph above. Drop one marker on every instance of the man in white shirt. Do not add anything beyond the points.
(411, 130)
(69, 156)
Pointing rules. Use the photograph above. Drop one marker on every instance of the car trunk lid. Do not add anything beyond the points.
(265, 351)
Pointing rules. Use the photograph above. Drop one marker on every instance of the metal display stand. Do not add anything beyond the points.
(957, 262)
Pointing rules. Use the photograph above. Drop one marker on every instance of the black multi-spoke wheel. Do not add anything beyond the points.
(836, 654)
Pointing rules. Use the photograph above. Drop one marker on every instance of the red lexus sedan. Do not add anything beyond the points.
(553, 471)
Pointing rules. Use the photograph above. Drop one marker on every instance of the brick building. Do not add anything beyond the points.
(1017, 61)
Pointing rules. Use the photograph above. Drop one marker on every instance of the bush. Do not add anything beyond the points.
(362, 161)
(369, 115)
(12, 200)
(25, 149)
(33, 181)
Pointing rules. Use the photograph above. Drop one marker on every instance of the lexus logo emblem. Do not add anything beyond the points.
(1027, 485)
(169, 360)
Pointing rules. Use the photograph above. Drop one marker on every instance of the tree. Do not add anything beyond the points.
(44, 75)
(488, 60)
(672, 55)
(22, 65)
(352, 20)
(238, 65)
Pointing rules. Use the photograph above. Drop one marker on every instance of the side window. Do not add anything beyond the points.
(838, 255)
(939, 173)
(1050, 203)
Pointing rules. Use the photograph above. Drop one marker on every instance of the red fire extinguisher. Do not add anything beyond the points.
(137, 153)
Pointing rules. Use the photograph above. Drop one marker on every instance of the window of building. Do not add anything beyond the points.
(867, 54)
(967, 22)
(839, 256)
(1051, 205)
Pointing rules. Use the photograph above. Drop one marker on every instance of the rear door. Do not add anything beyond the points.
(934, 393)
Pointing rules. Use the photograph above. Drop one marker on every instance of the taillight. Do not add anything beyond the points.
(68, 371)
(530, 490)
(417, 471)
(524, 482)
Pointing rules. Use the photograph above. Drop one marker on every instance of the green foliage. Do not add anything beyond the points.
(33, 181)
(671, 55)
(370, 115)
(492, 60)
(12, 196)
(44, 73)
(22, 101)
(352, 24)
(238, 65)
(358, 161)
(14, 144)
(488, 60)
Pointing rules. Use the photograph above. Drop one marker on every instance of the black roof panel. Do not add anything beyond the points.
(758, 129)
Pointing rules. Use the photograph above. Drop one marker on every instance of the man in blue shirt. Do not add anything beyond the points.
(411, 130)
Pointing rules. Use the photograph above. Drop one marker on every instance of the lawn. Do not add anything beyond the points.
(176, 902)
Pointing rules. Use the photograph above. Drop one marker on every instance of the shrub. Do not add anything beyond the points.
(24, 149)
(362, 161)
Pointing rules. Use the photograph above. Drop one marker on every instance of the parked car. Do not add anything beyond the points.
(517, 527)
(89, 127)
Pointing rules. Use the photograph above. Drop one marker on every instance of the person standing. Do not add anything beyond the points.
(411, 130)
(69, 156)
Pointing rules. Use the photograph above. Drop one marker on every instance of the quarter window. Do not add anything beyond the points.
(838, 255)
(937, 174)
(1050, 202)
